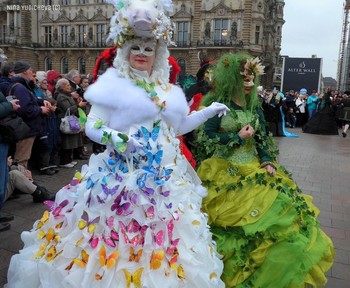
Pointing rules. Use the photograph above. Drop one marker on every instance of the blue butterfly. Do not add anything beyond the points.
(150, 135)
(154, 157)
(141, 181)
(123, 167)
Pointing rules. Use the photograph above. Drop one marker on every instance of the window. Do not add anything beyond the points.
(221, 32)
(257, 34)
(64, 35)
(48, 2)
(48, 64)
(182, 34)
(3, 33)
(64, 65)
(81, 34)
(48, 35)
(81, 65)
(64, 2)
(100, 33)
(83, 1)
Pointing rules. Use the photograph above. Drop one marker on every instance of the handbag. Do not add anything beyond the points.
(70, 124)
(13, 128)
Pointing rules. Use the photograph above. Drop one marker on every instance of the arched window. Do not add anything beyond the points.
(64, 65)
(81, 66)
(48, 64)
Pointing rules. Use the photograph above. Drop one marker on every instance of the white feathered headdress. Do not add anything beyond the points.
(141, 18)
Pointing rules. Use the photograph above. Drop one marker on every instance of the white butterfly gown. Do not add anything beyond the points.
(125, 222)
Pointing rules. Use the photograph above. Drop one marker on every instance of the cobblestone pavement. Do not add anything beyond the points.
(320, 165)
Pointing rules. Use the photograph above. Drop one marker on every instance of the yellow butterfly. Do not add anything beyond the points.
(135, 257)
(106, 262)
(52, 253)
(81, 262)
(180, 271)
(134, 278)
(43, 220)
(85, 222)
(42, 249)
(156, 259)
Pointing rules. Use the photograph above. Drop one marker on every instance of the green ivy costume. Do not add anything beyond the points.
(264, 227)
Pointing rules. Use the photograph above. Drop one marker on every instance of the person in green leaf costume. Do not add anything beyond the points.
(264, 227)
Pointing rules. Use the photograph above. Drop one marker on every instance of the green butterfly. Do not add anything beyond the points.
(98, 124)
(106, 137)
(149, 87)
(82, 117)
(121, 146)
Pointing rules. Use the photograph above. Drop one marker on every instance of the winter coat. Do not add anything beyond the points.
(5, 109)
(30, 110)
(65, 101)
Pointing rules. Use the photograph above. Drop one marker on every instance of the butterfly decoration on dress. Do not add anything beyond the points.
(93, 241)
(135, 256)
(85, 222)
(49, 235)
(149, 88)
(153, 134)
(112, 239)
(158, 236)
(150, 212)
(106, 262)
(42, 250)
(56, 212)
(157, 157)
(43, 220)
(52, 253)
(135, 240)
(156, 259)
(134, 278)
(98, 124)
(76, 179)
(172, 250)
(109, 191)
(82, 261)
(121, 205)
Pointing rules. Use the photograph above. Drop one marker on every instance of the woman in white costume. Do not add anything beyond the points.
(131, 217)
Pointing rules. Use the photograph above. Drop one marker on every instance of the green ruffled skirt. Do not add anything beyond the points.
(264, 227)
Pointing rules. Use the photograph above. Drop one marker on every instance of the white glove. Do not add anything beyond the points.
(197, 118)
(215, 109)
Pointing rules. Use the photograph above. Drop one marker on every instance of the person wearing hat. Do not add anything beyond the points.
(32, 109)
(132, 216)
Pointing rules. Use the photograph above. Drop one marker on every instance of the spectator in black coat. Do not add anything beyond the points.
(31, 109)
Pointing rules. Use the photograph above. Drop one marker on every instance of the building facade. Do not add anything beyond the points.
(70, 34)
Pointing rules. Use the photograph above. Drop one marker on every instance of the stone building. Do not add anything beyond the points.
(70, 34)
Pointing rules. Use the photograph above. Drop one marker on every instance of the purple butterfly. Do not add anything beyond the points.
(109, 191)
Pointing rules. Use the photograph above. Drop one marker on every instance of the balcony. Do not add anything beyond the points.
(220, 43)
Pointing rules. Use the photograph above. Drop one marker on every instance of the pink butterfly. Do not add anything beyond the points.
(110, 221)
(150, 212)
(136, 240)
(58, 209)
(93, 241)
(111, 241)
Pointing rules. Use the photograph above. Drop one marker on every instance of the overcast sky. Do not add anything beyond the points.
(313, 27)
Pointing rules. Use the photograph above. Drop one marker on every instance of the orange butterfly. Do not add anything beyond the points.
(106, 262)
(43, 220)
(50, 235)
(134, 278)
(81, 262)
(156, 259)
(135, 257)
